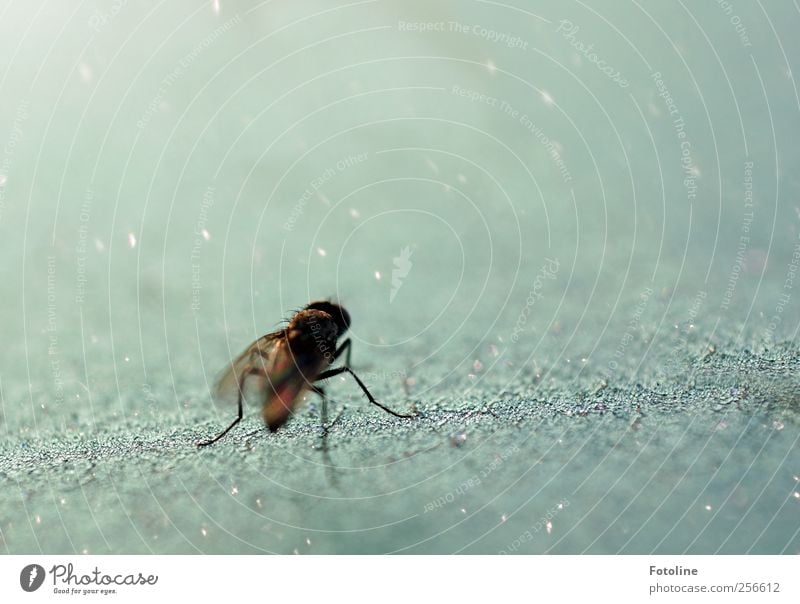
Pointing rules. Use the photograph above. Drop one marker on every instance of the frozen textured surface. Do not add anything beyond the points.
(706, 465)
(585, 284)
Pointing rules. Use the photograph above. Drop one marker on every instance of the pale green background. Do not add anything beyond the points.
(658, 420)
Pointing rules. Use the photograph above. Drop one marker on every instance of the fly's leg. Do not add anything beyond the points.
(324, 416)
(245, 375)
(345, 347)
(334, 372)
(329, 467)
(325, 426)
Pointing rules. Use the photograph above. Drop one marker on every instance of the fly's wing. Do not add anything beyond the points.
(272, 374)
(291, 373)
(258, 354)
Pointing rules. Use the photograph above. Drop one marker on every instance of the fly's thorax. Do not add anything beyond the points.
(314, 331)
(337, 312)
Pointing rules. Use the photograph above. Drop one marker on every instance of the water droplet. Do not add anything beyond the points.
(462, 179)
(458, 438)
(549, 527)
(378, 275)
(3, 180)
(796, 495)
(38, 519)
(463, 511)
(132, 240)
(206, 234)
(708, 508)
(355, 213)
(308, 541)
(778, 424)
(321, 252)
(234, 491)
(99, 245)
(503, 518)
(215, 6)
(85, 72)
(491, 66)
(547, 99)
(204, 532)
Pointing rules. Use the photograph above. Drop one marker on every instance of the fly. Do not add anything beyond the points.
(280, 366)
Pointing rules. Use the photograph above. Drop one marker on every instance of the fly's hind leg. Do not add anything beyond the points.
(245, 375)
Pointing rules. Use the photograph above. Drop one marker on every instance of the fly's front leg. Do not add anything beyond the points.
(334, 372)
(345, 347)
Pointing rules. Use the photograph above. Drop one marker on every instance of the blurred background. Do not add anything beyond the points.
(551, 223)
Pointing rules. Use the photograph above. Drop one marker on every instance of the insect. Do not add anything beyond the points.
(280, 366)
